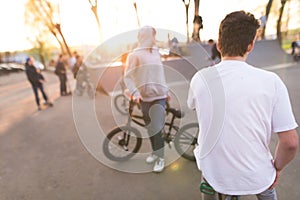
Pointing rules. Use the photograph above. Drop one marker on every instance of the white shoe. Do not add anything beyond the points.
(151, 158)
(159, 165)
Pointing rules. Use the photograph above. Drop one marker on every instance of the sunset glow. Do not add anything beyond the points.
(116, 16)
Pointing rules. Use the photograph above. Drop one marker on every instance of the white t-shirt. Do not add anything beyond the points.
(238, 107)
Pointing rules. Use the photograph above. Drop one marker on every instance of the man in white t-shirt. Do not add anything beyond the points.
(238, 107)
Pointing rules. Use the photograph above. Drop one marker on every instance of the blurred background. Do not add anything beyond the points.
(46, 28)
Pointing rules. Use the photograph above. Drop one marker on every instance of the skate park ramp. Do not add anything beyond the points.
(107, 78)
(268, 53)
(265, 53)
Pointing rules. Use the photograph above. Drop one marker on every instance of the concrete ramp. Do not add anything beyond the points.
(265, 53)
(268, 53)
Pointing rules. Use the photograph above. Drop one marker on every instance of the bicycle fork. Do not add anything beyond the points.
(167, 135)
(124, 141)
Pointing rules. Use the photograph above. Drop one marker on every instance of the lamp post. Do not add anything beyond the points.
(187, 4)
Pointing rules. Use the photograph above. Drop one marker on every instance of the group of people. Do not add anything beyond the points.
(62, 64)
(238, 107)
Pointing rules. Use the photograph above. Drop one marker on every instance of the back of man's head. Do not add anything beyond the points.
(237, 30)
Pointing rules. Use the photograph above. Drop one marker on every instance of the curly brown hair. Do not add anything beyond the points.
(237, 30)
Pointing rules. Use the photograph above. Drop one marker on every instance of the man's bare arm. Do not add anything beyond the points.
(285, 152)
(286, 148)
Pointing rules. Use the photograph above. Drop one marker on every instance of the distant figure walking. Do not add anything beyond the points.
(82, 77)
(36, 80)
(215, 54)
(263, 22)
(296, 45)
(72, 60)
(174, 47)
(61, 72)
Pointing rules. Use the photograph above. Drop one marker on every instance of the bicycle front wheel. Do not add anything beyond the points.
(91, 91)
(186, 140)
(122, 143)
(121, 104)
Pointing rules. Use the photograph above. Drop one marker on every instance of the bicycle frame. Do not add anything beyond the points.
(136, 118)
(120, 136)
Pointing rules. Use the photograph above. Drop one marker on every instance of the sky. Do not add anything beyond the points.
(116, 16)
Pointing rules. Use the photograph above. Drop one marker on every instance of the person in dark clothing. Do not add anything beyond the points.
(215, 54)
(61, 72)
(295, 45)
(36, 80)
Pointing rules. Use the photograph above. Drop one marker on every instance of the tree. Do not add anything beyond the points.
(136, 13)
(197, 22)
(42, 14)
(278, 30)
(268, 9)
(94, 8)
(187, 4)
(39, 37)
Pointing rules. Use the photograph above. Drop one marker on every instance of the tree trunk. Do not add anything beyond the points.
(94, 8)
(63, 39)
(41, 52)
(268, 9)
(136, 13)
(187, 23)
(279, 35)
(59, 42)
(197, 23)
(187, 4)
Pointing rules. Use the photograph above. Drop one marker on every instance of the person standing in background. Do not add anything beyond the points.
(215, 54)
(61, 72)
(36, 80)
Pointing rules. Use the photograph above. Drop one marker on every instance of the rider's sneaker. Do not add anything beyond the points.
(48, 103)
(151, 158)
(159, 165)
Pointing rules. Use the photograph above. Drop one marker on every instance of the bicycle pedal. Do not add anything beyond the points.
(125, 148)
(170, 144)
(206, 189)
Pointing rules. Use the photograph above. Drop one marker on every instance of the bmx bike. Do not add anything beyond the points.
(83, 83)
(124, 141)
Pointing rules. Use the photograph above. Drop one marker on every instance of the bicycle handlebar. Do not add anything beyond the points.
(177, 113)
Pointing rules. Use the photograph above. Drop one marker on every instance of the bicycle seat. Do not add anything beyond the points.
(175, 112)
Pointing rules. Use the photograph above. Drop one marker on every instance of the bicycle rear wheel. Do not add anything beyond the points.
(121, 104)
(186, 140)
(122, 143)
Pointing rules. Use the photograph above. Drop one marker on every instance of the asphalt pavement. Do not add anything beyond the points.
(47, 154)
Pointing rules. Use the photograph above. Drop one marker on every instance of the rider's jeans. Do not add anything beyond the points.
(154, 116)
(266, 195)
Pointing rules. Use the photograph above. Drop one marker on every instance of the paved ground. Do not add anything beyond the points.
(45, 155)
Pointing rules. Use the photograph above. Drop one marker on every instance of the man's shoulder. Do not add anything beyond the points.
(262, 71)
(202, 73)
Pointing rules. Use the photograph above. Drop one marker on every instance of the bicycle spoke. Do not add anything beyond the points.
(121, 143)
(186, 140)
